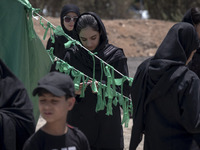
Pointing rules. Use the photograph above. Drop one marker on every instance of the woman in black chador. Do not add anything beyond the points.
(165, 95)
(68, 17)
(16, 111)
(102, 131)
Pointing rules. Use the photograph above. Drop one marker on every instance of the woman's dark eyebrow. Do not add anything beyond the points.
(82, 37)
(93, 36)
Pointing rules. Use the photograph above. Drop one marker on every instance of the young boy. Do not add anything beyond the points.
(56, 98)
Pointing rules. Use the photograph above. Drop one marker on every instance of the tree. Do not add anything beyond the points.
(106, 9)
(172, 10)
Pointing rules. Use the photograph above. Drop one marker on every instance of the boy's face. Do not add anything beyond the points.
(55, 109)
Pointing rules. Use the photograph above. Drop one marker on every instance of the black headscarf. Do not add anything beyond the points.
(66, 9)
(188, 17)
(59, 48)
(168, 64)
(16, 111)
(96, 121)
(107, 52)
(173, 52)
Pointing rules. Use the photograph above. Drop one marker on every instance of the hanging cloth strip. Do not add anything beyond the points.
(103, 91)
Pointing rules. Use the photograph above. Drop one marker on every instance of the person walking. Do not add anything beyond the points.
(68, 17)
(102, 131)
(192, 16)
(56, 99)
(165, 95)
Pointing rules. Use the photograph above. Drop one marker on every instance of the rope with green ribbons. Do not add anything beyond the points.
(107, 96)
(30, 10)
(103, 91)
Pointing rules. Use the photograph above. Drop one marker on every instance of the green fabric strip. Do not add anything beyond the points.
(109, 107)
(84, 81)
(99, 105)
(30, 11)
(125, 112)
(77, 78)
(109, 81)
(103, 91)
(51, 55)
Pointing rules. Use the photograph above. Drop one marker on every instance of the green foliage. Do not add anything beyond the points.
(172, 10)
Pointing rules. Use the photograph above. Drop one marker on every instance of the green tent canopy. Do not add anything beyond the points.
(20, 47)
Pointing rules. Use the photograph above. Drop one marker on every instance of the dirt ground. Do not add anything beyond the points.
(138, 38)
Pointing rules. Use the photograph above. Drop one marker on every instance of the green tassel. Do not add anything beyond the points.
(46, 30)
(58, 63)
(113, 82)
(104, 95)
(109, 107)
(59, 31)
(115, 101)
(51, 55)
(68, 44)
(84, 86)
(52, 36)
(99, 98)
(121, 99)
(77, 79)
(125, 113)
(67, 68)
(109, 82)
(118, 81)
(94, 86)
(131, 108)
(130, 81)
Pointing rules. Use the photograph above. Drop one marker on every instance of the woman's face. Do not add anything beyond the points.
(89, 38)
(69, 20)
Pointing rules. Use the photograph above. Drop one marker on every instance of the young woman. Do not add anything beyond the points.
(166, 96)
(102, 131)
(192, 16)
(68, 17)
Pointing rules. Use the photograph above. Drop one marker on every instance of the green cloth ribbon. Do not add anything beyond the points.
(94, 87)
(77, 78)
(130, 81)
(84, 81)
(30, 11)
(63, 67)
(115, 101)
(50, 52)
(51, 34)
(59, 31)
(46, 28)
(125, 112)
(69, 43)
(109, 107)
(100, 104)
(130, 107)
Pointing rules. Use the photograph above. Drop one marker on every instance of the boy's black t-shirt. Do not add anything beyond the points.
(74, 139)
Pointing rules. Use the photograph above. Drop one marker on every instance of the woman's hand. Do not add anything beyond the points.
(78, 92)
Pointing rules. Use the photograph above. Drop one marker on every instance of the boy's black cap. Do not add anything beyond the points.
(57, 83)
